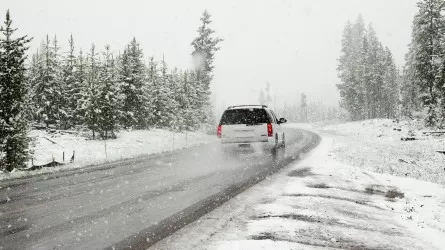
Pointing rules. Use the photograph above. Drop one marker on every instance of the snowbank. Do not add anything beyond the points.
(129, 144)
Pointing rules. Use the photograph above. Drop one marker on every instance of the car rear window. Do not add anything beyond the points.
(244, 116)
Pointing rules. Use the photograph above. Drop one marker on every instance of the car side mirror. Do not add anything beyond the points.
(282, 120)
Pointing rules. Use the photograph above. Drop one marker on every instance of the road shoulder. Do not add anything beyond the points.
(320, 202)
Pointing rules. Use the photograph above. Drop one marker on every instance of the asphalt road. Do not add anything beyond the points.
(132, 203)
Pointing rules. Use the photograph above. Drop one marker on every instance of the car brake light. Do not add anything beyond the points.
(219, 130)
(269, 130)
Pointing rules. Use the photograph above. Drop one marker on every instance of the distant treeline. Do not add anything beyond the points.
(105, 92)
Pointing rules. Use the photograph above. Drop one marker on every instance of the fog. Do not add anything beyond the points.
(294, 45)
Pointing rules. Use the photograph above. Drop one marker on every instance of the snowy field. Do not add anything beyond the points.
(129, 144)
(328, 200)
(376, 145)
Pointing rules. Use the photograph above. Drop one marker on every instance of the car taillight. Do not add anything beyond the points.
(269, 130)
(218, 131)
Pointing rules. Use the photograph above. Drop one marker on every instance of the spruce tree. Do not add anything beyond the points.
(390, 90)
(153, 80)
(13, 126)
(190, 101)
(427, 54)
(204, 48)
(368, 74)
(174, 79)
(70, 90)
(132, 75)
(90, 106)
(32, 78)
(409, 89)
(79, 91)
(108, 97)
(164, 104)
(352, 69)
(345, 69)
(47, 90)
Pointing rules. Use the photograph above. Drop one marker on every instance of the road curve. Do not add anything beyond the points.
(132, 203)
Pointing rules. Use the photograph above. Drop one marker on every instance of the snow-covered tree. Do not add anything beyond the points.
(189, 101)
(133, 80)
(390, 89)
(204, 47)
(368, 74)
(351, 68)
(108, 101)
(409, 88)
(47, 90)
(13, 125)
(345, 72)
(162, 101)
(174, 81)
(428, 55)
(79, 90)
(90, 105)
(32, 75)
(70, 88)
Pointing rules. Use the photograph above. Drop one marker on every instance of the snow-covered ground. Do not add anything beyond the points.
(327, 200)
(128, 144)
(376, 145)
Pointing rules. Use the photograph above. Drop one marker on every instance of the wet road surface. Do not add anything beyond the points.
(131, 203)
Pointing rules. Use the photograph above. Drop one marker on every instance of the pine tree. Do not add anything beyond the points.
(182, 101)
(409, 89)
(79, 90)
(427, 54)
(351, 69)
(369, 77)
(13, 126)
(59, 94)
(153, 80)
(132, 75)
(47, 90)
(174, 80)
(32, 78)
(365, 84)
(90, 106)
(108, 101)
(204, 48)
(70, 89)
(190, 101)
(345, 71)
(390, 90)
(162, 101)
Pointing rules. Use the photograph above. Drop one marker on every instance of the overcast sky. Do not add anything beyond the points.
(294, 45)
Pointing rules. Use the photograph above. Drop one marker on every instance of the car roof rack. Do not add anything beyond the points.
(254, 105)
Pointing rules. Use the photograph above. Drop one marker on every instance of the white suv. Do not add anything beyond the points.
(251, 125)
